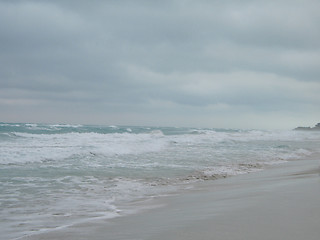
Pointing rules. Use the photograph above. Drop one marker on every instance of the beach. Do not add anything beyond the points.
(281, 202)
(149, 120)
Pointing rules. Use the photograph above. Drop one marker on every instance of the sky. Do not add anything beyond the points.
(226, 64)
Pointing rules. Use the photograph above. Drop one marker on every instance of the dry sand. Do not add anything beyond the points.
(281, 203)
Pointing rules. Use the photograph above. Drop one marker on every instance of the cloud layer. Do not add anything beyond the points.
(251, 64)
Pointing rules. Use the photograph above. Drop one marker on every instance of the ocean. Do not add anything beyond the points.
(56, 175)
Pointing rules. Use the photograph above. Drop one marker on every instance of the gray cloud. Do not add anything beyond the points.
(152, 62)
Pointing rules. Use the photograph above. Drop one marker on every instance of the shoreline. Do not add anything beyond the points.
(280, 202)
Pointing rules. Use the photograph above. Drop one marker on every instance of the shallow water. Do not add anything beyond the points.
(53, 176)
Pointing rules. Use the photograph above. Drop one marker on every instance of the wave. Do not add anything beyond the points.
(24, 147)
(29, 147)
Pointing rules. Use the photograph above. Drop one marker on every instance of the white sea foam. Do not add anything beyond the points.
(42, 147)
(55, 147)
(68, 201)
(66, 125)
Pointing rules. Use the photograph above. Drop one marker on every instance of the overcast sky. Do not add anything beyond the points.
(229, 64)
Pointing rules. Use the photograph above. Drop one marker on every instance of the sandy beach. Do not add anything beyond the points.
(281, 202)
(159, 120)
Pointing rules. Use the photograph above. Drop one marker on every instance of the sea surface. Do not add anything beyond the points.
(57, 175)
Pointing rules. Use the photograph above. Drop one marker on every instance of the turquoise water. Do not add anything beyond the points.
(56, 175)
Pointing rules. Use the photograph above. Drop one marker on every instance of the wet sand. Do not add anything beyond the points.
(282, 202)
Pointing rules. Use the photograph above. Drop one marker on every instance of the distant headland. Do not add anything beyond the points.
(315, 128)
